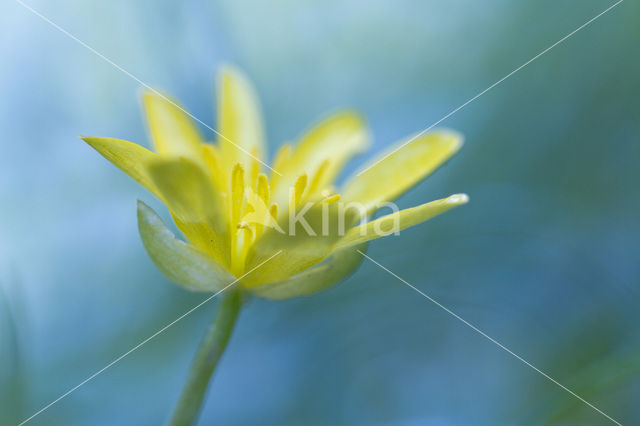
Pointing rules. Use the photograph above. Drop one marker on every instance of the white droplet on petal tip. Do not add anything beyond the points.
(458, 199)
(458, 141)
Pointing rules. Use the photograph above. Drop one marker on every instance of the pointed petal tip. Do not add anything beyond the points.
(92, 141)
(95, 140)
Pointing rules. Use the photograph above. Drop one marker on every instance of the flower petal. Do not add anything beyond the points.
(182, 263)
(198, 207)
(400, 169)
(337, 138)
(239, 118)
(304, 238)
(129, 157)
(173, 132)
(333, 269)
(398, 221)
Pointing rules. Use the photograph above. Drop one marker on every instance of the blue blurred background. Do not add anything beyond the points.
(545, 258)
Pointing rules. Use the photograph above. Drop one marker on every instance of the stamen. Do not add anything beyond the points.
(274, 211)
(237, 191)
(332, 199)
(316, 178)
(254, 166)
(299, 187)
(244, 239)
(262, 188)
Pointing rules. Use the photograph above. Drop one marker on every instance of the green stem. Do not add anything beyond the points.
(206, 359)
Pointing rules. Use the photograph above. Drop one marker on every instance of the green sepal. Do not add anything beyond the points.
(181, 262)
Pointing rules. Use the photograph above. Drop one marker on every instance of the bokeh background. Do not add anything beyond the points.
(545, 258)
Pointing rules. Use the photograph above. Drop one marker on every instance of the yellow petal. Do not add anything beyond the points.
(129, 157)
(239, 119)
(398, 221)
(282, 157)
(400, 169)
(333, 269)
(337, 139)
(197, 206)
(173, 132)
(182, 263)
(213, 162)
(305, 237)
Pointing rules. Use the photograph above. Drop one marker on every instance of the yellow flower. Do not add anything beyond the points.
(236, 214)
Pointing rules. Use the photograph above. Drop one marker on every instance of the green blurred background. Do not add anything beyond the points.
(545, 258)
